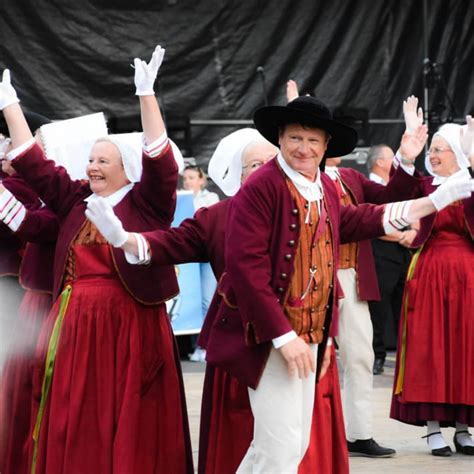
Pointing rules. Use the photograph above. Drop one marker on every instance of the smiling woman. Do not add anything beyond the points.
(106, 372)
(433, 380)
(105, 169)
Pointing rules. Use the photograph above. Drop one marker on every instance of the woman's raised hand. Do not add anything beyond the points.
(7, 92)
(412, 143)
(145, 73)
(291, 90)
(413, 114)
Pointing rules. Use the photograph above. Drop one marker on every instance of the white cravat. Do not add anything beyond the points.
(311, 190)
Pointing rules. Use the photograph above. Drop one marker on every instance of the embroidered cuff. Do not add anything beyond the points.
(282, 340)
(21, 149)
(155, 149)
(144, 256)
(395, 216)
(12, 211)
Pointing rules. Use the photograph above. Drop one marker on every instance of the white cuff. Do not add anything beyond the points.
(329, 343)
(408, 169)
(154, 149)
(395, 216)
(397, 159)
(21, 149)
(282, 340)
(144, 256)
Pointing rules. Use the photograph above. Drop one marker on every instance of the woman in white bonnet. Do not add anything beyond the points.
(107, 389)
(434, 386)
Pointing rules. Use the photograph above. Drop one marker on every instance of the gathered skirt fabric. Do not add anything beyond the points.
(439, 328)
(16, 383)
(116, 403)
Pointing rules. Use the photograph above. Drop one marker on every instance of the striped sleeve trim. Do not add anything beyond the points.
(157, 147)
(396, 216)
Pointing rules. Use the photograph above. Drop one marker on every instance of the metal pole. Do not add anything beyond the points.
(426, 64)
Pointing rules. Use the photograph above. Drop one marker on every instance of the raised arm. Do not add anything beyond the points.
(159, 179)
(52, 183)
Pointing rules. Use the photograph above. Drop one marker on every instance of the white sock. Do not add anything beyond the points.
(464, 439)
(435, 441)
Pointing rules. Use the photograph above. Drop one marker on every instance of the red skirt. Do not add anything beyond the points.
(227, 426)
(116, 403)
(15, 386)
(438, 382)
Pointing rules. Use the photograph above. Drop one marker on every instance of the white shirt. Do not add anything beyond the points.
(377, 179)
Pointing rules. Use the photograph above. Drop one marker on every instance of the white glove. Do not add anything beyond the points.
(467, 136)
(101, 214)
(4, 144)
(145, 74)
(413, 118)
(7, 92)
(458, 186)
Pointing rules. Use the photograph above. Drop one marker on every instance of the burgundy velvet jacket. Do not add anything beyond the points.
(426, 224)
(39, 230)
(149, 205)
(11, 245)
(401, 187)
(262, 234)
(200, 239)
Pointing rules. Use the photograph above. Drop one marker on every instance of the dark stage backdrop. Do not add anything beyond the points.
(71, 58)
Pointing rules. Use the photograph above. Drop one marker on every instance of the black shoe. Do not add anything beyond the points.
(443, 452)
(469, 450)
(369, 448)
(378, 366)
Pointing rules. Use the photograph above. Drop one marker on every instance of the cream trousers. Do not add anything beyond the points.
(357, 358)
(282, 407)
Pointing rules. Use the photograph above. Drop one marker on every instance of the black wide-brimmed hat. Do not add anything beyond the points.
(306, 110)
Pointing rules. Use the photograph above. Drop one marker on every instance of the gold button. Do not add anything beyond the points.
(291, 243)
(292, 226)
(283, 276)
(294, 212)
(280, 289)
(288, 256)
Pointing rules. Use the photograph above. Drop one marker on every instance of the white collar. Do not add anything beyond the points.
(332, 172)
(310, 190)
(437, 180)
(114, 198)
(376, 178)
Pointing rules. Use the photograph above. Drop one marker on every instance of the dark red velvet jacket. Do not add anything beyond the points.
(11, 245)
(39, 230)
(200, 239)
(262, 233)
(401, 187)
(149, 205)
(426, 224)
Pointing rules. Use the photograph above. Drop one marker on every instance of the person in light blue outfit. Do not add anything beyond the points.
(194, 180)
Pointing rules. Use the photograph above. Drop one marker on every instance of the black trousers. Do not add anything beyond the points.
(391, 263)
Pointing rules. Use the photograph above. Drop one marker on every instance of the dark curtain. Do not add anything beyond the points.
(72, 58)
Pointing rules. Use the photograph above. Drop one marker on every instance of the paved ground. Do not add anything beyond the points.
(412, 457)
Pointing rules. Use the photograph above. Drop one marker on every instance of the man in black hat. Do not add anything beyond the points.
(278, 296)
